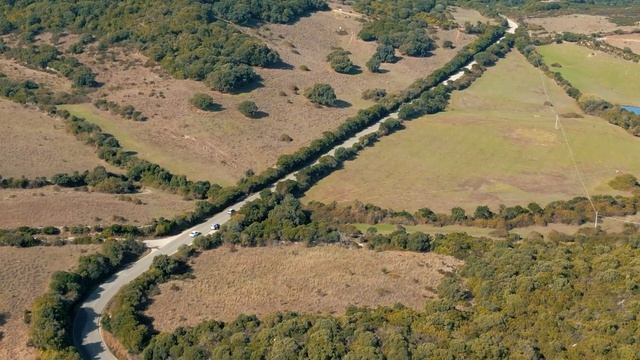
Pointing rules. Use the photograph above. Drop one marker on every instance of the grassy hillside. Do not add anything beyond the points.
(496, 144)
(595, 72)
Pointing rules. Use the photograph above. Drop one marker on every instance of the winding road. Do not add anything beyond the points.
(87, 336)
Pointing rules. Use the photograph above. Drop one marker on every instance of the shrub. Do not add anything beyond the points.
(374, 94)
(204, 102)
(625, 182)
(248, 109)
(322, 94)
(340, 62)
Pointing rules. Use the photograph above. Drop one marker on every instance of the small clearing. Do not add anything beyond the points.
(578, 23)
(323, 279)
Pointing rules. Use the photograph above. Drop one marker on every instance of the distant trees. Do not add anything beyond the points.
(340, 62)
(322, 94)
(204, 102)
(248, 109)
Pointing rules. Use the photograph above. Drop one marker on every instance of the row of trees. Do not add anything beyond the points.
(51, 314)
(99, 179)
(126, 111)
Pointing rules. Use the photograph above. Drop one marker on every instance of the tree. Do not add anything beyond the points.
(322, 94)
(204, 102)
(483, 212)
(373, 64)
(417, 43)
(340, 62)
(447, 44)
(248, 109)
(230, 77)
(386, 53)
(458, 214)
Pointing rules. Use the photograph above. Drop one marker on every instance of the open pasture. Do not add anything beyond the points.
(496, 144)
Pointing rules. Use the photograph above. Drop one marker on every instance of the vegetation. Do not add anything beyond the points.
(248, 109)
(374, 94)
(127, 111)
(48, 57)
(188, 38)
(51, 314)
(99, 179)
(204, 102)
(340, 62)
(322, 94)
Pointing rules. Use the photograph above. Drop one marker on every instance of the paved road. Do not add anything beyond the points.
(86, 325)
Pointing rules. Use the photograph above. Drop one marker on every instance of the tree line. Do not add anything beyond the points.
(99, 179)
(126, 111)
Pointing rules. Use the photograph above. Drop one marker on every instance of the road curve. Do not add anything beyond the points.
(86, 325)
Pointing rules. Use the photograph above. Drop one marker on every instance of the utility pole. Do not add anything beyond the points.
(557, 119)
(596, 222)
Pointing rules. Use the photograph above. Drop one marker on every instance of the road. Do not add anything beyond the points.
(86, 325)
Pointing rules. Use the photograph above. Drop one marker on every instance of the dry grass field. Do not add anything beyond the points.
(462, 15)
(496, 144)
(578, 23)
(632, 41)
(34, 144)
(221, 146)
(59, 206)
(24, 274)
(19, 72)
(324, 279)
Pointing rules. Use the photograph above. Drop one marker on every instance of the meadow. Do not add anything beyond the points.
(595, 72)
(495, 144)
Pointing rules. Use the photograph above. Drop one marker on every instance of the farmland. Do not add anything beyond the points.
(58, 206)
(24, 275)
(220, 146)
(34, 145)
(322, 280)
(495, 145)
(595, 72)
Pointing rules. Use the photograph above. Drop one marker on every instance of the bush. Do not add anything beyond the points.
(625, 182)
(340, 62)
(322, 94)
(204, 102)
(374, 94)
(248, 109)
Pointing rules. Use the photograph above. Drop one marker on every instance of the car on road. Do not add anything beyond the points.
(231, 211)
(195, 234)
(215, 226)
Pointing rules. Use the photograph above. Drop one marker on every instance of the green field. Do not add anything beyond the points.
(497, 144)
(595, 72)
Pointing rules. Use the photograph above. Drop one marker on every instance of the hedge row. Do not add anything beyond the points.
(52, 313)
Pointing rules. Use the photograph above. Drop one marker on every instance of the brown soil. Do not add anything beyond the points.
(34, 144)
(221, 146)
(324, 279)
(24, 275)
(59, 206)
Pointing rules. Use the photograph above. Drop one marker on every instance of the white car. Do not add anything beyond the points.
(215, 226)
(195, 233)
(231, 211)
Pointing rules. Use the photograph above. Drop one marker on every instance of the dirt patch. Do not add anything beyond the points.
(578, 23)
(221, 146)
(24, 275)
(463, 15)
(59, 206)
(324, 279)
(632, 41)
(34, 144)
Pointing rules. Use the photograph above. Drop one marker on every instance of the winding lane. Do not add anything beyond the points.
(87, 336)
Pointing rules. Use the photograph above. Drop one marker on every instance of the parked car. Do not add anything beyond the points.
(215, 226)
(195, 233)
(231, 211)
